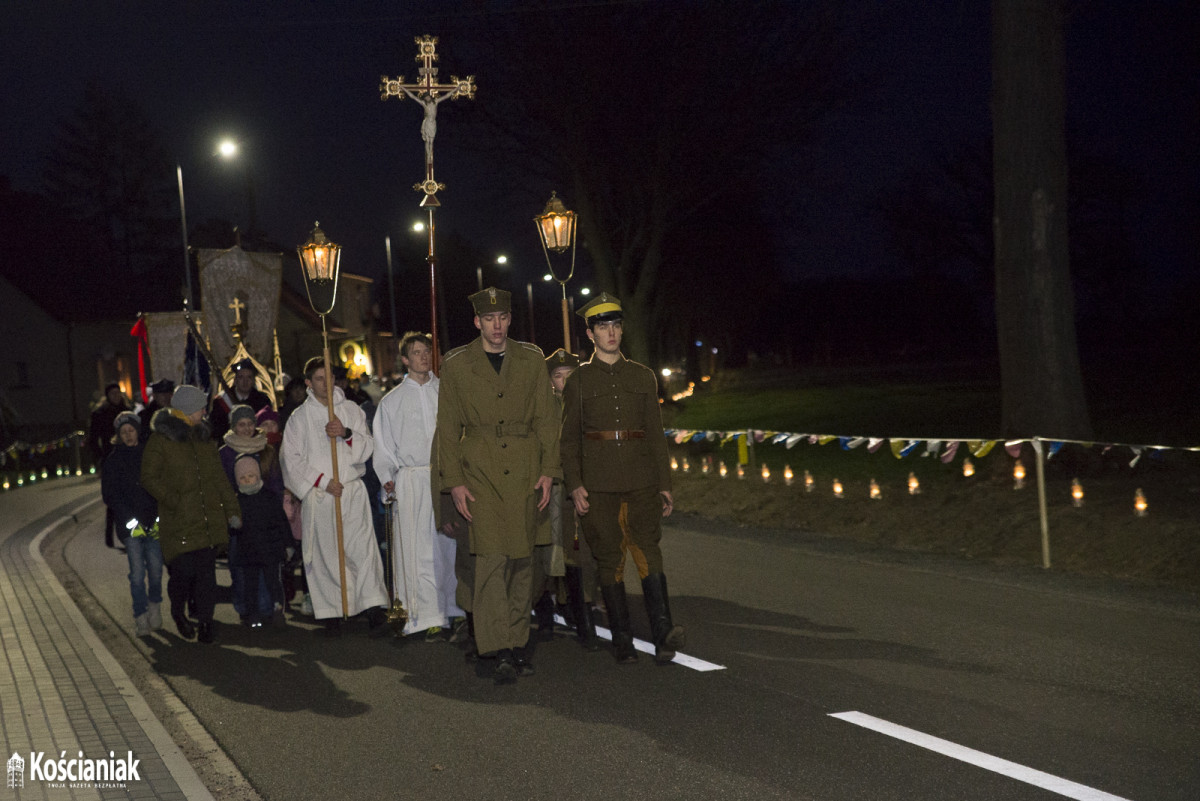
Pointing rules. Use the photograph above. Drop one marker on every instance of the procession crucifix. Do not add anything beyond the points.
(237, 326)
(429, 93)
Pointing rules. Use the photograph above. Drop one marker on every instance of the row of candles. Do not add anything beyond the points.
(1140, 505)
(34, 475)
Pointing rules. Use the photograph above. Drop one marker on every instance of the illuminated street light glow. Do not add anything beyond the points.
(227, 148)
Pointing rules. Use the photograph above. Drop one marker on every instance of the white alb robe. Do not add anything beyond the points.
(423, 559)
(307, 470)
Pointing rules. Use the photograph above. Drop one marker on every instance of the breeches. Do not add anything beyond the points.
(617, 522)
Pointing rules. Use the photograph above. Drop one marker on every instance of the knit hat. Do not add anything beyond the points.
(266, 413)
(239, 412)
(189, 399)
(244, 464)
(127, 419)
(165, 385)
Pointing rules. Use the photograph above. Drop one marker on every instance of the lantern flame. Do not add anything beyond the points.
(914, 486)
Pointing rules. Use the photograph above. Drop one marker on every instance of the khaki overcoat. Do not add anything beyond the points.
(497, 434)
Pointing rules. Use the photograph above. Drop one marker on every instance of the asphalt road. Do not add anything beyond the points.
(1085, 686)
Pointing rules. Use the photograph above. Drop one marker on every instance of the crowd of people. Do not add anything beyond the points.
(506, 491)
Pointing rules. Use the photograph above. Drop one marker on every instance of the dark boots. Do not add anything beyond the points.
(543, 611)
(666, 635)
(581, 616)
(187, 630)
(618, 623)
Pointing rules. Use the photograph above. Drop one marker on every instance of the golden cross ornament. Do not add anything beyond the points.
(429, 93)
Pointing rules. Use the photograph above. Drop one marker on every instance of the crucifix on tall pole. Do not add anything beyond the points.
(429, 93)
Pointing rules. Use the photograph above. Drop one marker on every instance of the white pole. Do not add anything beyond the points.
(1041, 481)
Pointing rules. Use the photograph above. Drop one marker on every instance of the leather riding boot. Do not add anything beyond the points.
(618, 623)
(585, 628)
(543, 610)
(666, 635)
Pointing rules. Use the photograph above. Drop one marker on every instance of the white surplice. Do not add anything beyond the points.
(423, 561)
(307, 470)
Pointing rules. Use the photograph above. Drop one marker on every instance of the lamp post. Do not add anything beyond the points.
(320, 260)
(556, 227)
(187, 262)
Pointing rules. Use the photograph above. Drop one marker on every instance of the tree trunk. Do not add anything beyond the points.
(1041, 382)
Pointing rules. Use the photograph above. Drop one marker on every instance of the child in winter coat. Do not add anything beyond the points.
(264, 537)
(136, 514)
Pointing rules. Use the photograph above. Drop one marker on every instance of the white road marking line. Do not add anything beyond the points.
(648, 648)
(979, 759)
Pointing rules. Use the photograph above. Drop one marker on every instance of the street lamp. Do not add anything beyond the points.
(556, 227)
(479, 270)
(320, 261)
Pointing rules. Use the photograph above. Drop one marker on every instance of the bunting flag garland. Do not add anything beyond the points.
(983, 449)
(902, 447)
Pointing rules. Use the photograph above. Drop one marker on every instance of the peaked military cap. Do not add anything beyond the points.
(487, 301)
(560, 358)
(604, 308)
(244, 364)
(165, 385)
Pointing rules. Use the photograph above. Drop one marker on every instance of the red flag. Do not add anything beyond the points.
(142, 336)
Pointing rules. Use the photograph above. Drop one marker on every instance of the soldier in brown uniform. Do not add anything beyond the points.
(617, 471)
(579, 567)
(497, 441)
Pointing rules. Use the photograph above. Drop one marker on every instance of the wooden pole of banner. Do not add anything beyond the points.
(1041, 482)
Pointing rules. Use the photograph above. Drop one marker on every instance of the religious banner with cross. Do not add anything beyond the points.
(239, 294)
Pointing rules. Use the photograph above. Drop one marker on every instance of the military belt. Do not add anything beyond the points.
(617, 435)
(510, 430)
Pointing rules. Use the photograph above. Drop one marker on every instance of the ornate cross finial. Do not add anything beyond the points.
(429, 93)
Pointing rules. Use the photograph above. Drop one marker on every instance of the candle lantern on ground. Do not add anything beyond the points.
(914, 485)
(876, 494)
(1139, 503)
(1018, 475)
(838, 490)
(1076, 493)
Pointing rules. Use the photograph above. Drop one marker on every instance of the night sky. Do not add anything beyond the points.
(297, 84)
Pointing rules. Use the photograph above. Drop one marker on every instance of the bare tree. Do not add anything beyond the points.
(669, 120)
(1041, 381)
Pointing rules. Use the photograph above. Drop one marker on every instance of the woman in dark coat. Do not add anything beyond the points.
(196, 506)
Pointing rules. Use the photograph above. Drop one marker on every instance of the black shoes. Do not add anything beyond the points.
(186, 629)
(521, 662)
(506, 667)
(668, 637)
(543, 610)
(618, 623)
(376, 623)
(207, 632)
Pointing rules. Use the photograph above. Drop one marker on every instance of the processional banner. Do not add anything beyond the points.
(237, 287)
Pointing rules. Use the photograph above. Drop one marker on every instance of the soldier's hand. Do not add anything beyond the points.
(334, 428)
(579, 496)
(668, 503)
(334, 488)
(544, 483)
(390, 486)
(461, 495)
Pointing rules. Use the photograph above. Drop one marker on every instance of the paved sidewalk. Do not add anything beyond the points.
(61, 691)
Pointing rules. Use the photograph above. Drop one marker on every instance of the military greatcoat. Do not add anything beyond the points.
(497, 434)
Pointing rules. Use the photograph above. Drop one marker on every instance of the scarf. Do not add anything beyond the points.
(241, 444)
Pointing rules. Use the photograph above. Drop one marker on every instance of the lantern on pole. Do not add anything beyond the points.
(320, 261)
(556, 228)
